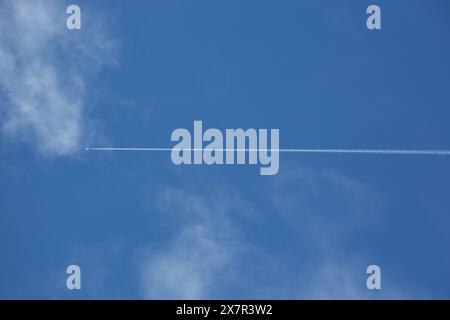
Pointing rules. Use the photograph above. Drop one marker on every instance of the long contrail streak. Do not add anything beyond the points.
(332, 151)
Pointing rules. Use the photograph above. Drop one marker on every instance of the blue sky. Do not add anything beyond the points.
(140, 227)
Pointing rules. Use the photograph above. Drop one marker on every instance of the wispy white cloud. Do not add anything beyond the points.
(44, 69)
(189, 268)
(195, 262)
(324, 205)
(342, 279)
(211, 257)
(331, 212)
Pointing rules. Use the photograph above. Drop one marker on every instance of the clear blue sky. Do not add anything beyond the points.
(141, 227)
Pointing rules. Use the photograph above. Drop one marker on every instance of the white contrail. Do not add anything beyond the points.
(334, 151)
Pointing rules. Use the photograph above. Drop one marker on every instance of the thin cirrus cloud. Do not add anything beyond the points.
(210, 256)
(190, 267)
(44, 72)
(195, 262)
(330, 211)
